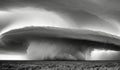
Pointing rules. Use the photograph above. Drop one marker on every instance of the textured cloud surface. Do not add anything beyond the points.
(94, 15)
(89, 14)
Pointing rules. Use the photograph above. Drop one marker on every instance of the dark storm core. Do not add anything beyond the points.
(52, 48)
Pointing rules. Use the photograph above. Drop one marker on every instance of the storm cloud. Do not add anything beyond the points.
(101, 17)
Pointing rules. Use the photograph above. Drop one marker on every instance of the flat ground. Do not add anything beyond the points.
(59, 65)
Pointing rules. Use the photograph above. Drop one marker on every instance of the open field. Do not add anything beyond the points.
(59, 65)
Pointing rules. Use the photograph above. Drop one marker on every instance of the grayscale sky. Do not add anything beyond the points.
(95, 15)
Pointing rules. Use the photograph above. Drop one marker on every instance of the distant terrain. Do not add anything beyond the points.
(59, 65)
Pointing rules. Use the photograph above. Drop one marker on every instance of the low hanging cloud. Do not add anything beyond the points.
(53, 49)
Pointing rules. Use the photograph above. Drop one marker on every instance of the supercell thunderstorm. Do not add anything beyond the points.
(52, 49)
